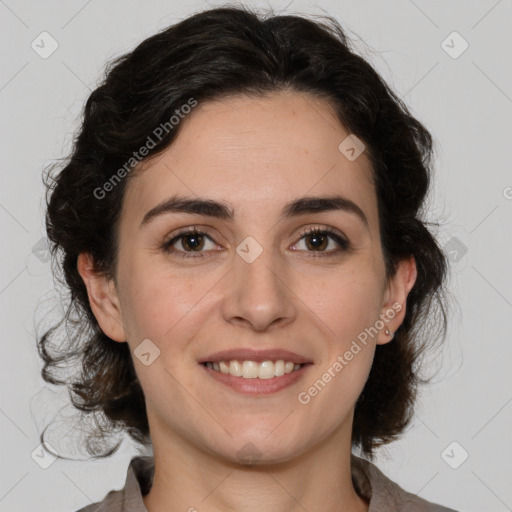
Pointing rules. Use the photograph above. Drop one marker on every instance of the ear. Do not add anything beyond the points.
(394, 307)
(103, 298)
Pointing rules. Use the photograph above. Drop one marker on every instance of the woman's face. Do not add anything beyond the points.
(253, 280)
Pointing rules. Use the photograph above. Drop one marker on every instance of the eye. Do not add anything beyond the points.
(317, 240)
(191, 241)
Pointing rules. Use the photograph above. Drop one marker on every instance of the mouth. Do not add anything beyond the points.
(256, 372)
(248, 369)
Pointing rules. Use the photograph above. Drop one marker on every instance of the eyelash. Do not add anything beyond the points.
(339, 239)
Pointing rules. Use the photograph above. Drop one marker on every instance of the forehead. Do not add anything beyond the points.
(255, 152)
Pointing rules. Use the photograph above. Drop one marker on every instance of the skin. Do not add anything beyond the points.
(256, 154)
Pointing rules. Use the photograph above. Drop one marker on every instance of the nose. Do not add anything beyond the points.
(259, 294)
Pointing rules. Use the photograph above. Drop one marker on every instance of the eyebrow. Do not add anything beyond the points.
(219, 210)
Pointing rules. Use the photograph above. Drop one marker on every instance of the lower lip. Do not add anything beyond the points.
(258, 386)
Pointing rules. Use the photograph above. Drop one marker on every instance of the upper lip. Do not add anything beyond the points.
(247, 354)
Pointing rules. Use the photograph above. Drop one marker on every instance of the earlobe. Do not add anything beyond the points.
(394, 308)
(103, 298)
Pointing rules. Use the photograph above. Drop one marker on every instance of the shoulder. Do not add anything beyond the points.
(385, 495)
(113, 502)
(139, 478)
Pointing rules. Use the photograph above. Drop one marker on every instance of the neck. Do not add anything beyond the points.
(189, 479)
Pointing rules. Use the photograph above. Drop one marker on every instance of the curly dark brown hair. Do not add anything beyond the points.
(210, 55)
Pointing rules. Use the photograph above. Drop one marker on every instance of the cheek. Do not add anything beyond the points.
(346, 303)
(160, 305)
(150, 303)
(350, 309)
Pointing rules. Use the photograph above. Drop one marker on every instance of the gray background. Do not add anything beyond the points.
(463, 98)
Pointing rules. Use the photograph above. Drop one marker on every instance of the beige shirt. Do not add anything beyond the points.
(369, 482)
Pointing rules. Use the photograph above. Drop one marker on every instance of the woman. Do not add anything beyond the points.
(250, 278)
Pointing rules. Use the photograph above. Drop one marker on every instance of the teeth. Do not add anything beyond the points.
(254, 370)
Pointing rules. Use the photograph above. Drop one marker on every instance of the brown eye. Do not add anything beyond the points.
(188, 242)
(318, 240)
(192, 242)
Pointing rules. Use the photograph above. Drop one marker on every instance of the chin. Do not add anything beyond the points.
(257, 450)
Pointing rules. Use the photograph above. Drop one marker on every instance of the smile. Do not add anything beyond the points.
(253, 378)
(254, 370)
